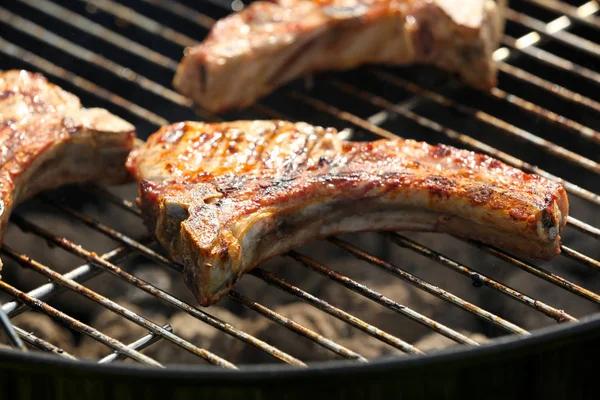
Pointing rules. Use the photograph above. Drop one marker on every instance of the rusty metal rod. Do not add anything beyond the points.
(20, 53)
(79, 274)
(273, 280)
(428, 287)
(86, 55)
(130, 15)
(296, 327)
(90, 27)
(140, 344)
(380, 299)
(154, 256)
(584, 227)
(434, 126)
(579, 257)
(553, 88)
(42, 344)
(480, 279)
(116, 308)
(85, 24)
(539, 142)
(550, 116)
(553, 313)
(122, 203)
(158, 293)
(184, 12)
(539, 272)
(550, 30)
(554, 30)
(551, 59)
(13, 337)
(573, 13)
(111, 233)
(76, 324)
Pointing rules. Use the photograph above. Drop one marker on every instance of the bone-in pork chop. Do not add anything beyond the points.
(221, 198)
(47, 139)
(251, 53)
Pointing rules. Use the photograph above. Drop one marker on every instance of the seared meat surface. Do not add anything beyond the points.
(221, 198)
(251, 53)
(47, 139)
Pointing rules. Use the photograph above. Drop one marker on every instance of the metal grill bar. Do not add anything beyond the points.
(98, 30)
(525, 46)
(139, 344)
(584, 227)
(13, 336)
(75, 324)
(558, 315)
(42, 344)
(191, 15)
(81, 53)
(380, 299)
(569, 124)
(268, 277)
(539, 272)
(543, 144)
(361, 289)
(584, 11)
(579, 257)
(185, 12)
(160, 294)
(154, 256)
(552, 88)
(109, 304)
(312, 299)
(582, 14)
(555, 31)
(428, 287)
(122, 203)
(149, 25)
(79, 274)
(53, 69)
(296, 327)
(434, 126)
(274, 280)
(479, 279)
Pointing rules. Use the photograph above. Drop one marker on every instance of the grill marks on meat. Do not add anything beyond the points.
(221, 198)
(251, 53)
(47, 139)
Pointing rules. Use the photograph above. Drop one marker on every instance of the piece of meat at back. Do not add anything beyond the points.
(253, 52)
(48, 139)
(223, 197)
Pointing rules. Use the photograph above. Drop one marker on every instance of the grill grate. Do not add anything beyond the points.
(112, 43)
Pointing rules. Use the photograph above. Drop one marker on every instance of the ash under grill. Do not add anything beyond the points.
(357, 297)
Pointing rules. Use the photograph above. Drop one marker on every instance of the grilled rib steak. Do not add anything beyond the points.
(223, 197)
(250, 53)
(47, 139)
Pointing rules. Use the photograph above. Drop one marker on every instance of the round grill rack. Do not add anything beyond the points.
(122, 55)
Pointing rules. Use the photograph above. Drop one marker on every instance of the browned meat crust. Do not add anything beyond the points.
(47, 139)
(221, 198)
(251, 53)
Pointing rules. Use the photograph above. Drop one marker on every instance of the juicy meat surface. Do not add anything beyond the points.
(221, 198)
(47, 139)
(251, 53)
